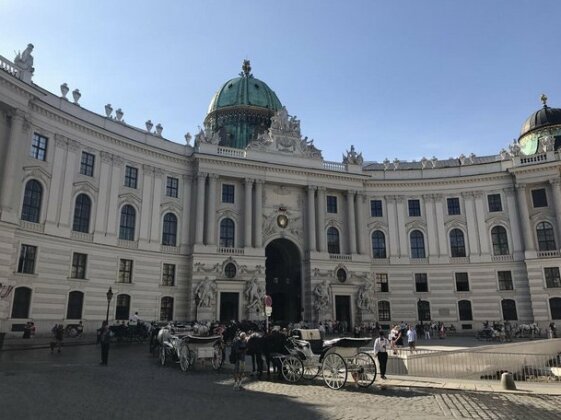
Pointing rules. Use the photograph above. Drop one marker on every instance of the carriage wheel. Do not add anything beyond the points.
(183, 357)
(292, 369)
(163, 355)
(334, 371)
(311, 371)
(365, 373)
(217, 357)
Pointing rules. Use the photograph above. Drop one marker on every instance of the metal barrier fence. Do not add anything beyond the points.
(474, 365)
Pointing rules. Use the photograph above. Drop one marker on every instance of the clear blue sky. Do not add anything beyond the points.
(401, 79)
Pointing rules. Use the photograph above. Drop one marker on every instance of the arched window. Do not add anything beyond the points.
(333, 241)
(546, 237)
(384, 313)
(31, 210)
(75, 303)
(128, 223)
(417, 244)
(378, 244)
(508, 307)
(122, 309)
(166, 309)
(423, 310)
(227, 233)
(82, 211)
(464, 309)
(500, 241)
(169, 235)
(457, 243)
(22, 302)
(555, 308)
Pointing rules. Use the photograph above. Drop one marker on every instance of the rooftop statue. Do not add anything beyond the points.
(353, 158)
(24, 60)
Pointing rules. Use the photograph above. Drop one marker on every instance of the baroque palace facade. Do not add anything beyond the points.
(204, 230)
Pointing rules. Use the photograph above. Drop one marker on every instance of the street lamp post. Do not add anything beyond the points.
(109, 297)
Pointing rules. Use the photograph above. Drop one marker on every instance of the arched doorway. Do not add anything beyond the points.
(283, 273)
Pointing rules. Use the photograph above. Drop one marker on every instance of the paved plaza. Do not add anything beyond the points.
(35, 384)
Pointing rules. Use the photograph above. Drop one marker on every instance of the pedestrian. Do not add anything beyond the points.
(427, 332)
(104, 338)
(395, 335)
(58, 335)
(552, 330)
(239, 349)
(27, 330)
(381, 352)
(411, 338)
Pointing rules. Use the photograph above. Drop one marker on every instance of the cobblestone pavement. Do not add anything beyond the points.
(35, 384)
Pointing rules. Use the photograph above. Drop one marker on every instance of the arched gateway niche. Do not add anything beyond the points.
(283, 273)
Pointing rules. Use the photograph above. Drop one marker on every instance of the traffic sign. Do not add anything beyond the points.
(268, 310)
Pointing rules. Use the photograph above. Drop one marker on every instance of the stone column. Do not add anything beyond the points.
(102, 207)
(525, 217)
(471, 219)
(116, 182)
(311, 218)
(442, 240)
(517, 250)
(200, 216)
(55, 190)
(11, 185)
(211, 213)
(67, 189)
(147, 198)
(258, 217)
(401, 218)
(185, 239)
(321, 234)
(555, 182)
(392, 226)
(351, 222)
(481, 225)
(431, 225)
(360, 223)
(155, 213)
(247, 211)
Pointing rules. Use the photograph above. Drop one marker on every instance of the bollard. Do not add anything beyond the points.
(507, 381)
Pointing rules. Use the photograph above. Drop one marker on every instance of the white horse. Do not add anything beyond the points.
(525, 330)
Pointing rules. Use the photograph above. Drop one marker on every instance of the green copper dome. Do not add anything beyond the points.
(241, 109)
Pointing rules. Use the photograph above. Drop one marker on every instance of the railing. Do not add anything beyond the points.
(459, 260)
(9, 67)
(229, 151)
(81, 236)
(340, 257)
(502, 258)
(380, 261)
(418, 261)
(334, 166)
(230, 251)
(33, 227)
(168, 249)
(127, 244)
(533, 159)
(549, 254)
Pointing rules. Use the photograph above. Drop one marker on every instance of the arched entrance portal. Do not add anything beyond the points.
(283, 273)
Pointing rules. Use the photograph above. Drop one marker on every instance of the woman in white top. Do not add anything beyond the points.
(381, 352)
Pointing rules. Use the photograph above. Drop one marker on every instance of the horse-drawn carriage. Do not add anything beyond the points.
(308, 355)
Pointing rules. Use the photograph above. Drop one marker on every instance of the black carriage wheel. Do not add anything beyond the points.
(292, 369)
(334, 371)
(183, 357)
(311, 370)
(364, 369)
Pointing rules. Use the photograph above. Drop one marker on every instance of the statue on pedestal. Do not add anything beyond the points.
(24, 60)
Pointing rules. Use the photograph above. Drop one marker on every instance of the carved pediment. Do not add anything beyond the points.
(130, 198)
(170, 205)
(497, 220)
(376, 225)
(455, 223)
(415, 224)
(37, 172)
(85, 186)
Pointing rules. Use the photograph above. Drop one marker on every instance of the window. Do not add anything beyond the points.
(75, 304)
(505, 280)
(230, 270)
(331, 204)
(169, 235)
(552, 278)
(464, 309)
(546, 237)
(228, 192)
(27, 256)
(333, 241)
(172, 187)
(125, 271)
(494, 201)
(82, 211)
(22, 303)
(87, 164)
(128, 222)
(462, 282)
(421, 282)
(227, 231)
(33, 195)
(423, 310)
(131, 177)
(414, 208)
(168, 275)
(378, 244)
(39, 147)
(79, 262)
(508, 307)
(539, 198)
(384, 313)
(554, 307)
(166, 309)
(342, 275)
(453, 206)
(122, 309)
(500, 241)
(382, 280)
(376, 208)
(417, 244)
(457, 244)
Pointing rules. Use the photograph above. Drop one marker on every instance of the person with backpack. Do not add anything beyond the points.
(237, 357)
